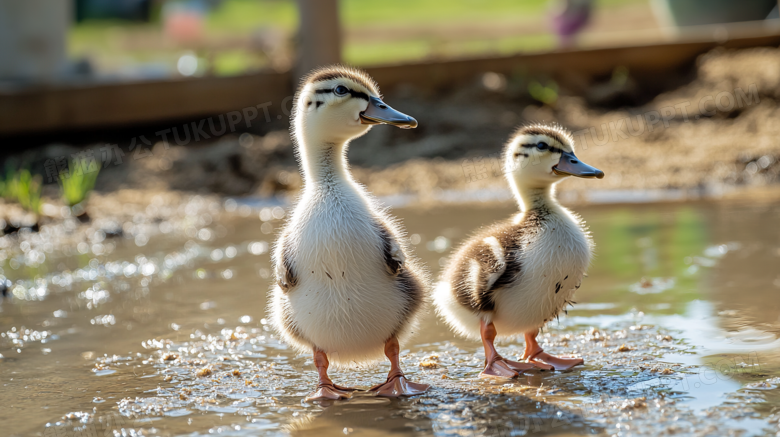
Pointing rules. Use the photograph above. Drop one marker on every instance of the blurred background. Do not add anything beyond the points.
(146, 75)
(103, 40)
(147, 39)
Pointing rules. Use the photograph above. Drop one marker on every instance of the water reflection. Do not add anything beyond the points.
(160, 325)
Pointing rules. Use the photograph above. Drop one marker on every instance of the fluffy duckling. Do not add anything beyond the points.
(347, 289)
(516, 275)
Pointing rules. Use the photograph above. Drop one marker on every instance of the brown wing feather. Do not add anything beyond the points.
(286, 279)
(478, 292)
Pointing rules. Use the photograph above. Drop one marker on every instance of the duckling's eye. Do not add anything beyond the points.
(542, 146)
(340, 90)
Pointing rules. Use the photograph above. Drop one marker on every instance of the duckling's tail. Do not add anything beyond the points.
(460, 319)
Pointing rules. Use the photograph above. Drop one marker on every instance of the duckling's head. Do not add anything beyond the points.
(336, 104)
(540, 155)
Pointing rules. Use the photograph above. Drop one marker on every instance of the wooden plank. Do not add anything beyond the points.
(144, 102)
(647, 60)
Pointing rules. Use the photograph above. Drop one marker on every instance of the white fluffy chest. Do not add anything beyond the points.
(553, 263)
(335, 237)
(562, 248)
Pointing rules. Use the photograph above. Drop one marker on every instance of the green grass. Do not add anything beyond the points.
(239, 16)
(22, 187)
(398, 51)
(104, 40)
(76, 184)
(234, 62)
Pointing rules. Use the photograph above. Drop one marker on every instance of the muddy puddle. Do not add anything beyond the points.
(161, 330)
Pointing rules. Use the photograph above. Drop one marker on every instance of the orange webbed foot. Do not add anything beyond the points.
(499, 369)
(520, 367)
(555, 363)
(397, 386)
(331, 392)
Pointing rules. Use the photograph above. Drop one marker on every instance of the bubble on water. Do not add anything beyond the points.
(201, 273)
(60, 314)
(278, 212)
(208, 305)
(415, 239)
(266, 214)
(148, 269)
(231, 252)
(227, 274)
(82, 248)
(204, 234)
(175, 326)
(266, 228)
(217, 254)
(439, 244)
(245, 319)
(141, 240)
(258, 247)
(130, 270)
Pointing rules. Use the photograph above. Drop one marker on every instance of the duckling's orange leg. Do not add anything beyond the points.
(495, 364)
(326, 389)
(397, 384)
(536, 355)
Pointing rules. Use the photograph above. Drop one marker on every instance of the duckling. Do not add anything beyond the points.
(346, 288)
(518, 274)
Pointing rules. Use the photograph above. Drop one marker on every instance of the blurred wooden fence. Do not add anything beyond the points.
(83, 107)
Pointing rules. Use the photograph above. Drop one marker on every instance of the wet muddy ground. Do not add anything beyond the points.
(153, 323)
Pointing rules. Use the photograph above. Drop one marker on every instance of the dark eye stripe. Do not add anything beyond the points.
(550, 148)
(356, 94)
(359, 95)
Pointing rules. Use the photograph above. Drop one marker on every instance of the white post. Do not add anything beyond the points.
(319, 35)
(33, 35)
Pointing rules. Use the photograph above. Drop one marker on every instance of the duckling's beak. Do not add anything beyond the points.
(380, 113)
(570, 165)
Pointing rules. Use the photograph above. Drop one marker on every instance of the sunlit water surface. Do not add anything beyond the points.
(678, 322)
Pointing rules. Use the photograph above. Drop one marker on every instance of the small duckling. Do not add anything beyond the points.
(518, 274)
(347, 288)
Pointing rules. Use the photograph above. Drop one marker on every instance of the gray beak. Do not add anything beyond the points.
(380, 113)
(570, 165)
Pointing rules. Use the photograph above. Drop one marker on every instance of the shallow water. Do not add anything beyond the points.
(164, 333)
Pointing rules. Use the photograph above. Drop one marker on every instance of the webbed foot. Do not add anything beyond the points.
(555, 363)
(330, 391)
(499, 369)
(397, 385)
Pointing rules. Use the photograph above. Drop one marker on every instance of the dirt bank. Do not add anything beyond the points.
(715, 132)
